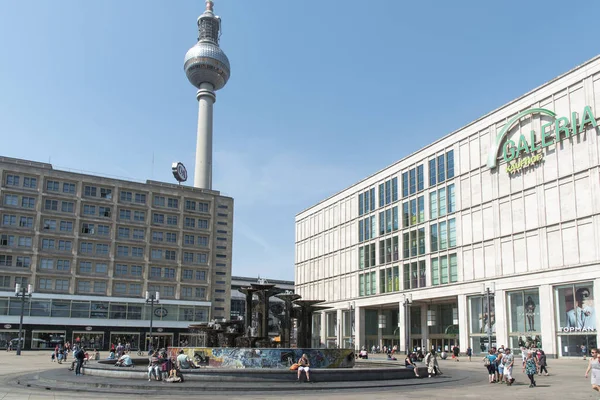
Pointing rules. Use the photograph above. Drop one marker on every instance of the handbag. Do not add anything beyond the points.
(486, 361)
(294, 367)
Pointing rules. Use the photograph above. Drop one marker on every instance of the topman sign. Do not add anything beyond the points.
(522, 153)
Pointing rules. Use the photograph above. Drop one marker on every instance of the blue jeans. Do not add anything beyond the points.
(78, 367)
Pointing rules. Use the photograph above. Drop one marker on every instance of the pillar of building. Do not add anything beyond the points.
(547, 320)
(501, 318)
(424, 329)
(402, 327)
(463, 323)
(323, 332)
(379, 329)
(340, 328)
(359, 327)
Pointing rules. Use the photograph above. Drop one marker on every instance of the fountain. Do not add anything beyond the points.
(246, 343)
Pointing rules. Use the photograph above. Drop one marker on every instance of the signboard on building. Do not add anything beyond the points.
(524, 152)
(179, 172)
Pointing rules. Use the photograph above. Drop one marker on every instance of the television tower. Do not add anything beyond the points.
(207, 68)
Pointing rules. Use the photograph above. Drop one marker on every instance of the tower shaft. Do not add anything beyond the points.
(204, 135)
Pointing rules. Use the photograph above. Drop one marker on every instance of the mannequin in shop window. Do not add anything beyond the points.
(530, 313)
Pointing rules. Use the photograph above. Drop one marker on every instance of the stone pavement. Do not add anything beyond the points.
(465, 380)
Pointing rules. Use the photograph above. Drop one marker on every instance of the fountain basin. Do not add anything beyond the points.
(258, 358)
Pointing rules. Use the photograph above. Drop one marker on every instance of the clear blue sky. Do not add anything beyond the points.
(322, 93)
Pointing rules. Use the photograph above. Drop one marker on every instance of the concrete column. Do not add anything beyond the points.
(402, 321)
(379, 330)
(359, 328)
(424, 329)
(203, 171)
(323, 333)
(501, 319)
(463, 321)
(547, 320)
(340, 329)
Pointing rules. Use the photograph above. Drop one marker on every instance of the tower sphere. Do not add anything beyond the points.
(206, 62)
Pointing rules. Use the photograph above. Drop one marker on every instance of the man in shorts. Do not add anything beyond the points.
(508, 360)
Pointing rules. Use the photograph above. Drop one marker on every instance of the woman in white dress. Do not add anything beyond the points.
(594, 366)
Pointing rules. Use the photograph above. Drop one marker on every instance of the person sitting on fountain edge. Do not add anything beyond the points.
(184, 362)
(304, 365)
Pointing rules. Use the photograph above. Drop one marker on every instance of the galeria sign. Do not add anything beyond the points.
(520, 155)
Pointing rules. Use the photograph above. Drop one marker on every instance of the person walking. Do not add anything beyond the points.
(432, 364)
(469, 353)
(455, 353)
(594, 366)
(543, 363)
(489, 361)
(500, 367)
(584, 351)
(79, 355)
(508, 359)
(530, 368)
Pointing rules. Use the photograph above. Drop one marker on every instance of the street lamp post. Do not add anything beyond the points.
(351, 306)
(22, 291)
(407, 303)
(152, 298)
(488, 291)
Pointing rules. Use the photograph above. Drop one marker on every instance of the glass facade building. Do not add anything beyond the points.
(487, 236)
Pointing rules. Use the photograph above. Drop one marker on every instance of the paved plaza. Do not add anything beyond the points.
(460, 380)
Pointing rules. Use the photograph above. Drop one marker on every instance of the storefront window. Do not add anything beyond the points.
(415, 320)
(316, 331)
(482, 324)
(524, 319)
(125, 337)
(575, 318)
(47, 339)
(134, 311)
(6, 336)
(89, 340)
(332, 324)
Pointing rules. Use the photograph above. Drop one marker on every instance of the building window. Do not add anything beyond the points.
(100, 287)
(85, 267)
(11, 200)
(89, 191)
(170, 255)
(67, 206)
(66, 226)
(48, 244)
(124, 215)
(201, 276)
(186, 292)
(13, 180)
(190, 223)
(187, 274)
(366, 202)
(61, 285)
(102, 249)
(23, 261)
(85, 247)
(158, 218)
(26, 222)
(63, 265)
(101, 268)
(136, 270)
(105, 193)
(51, 205)
(444, 270)
(137, 252)
(200, 292)
(121, 269)
(89, 209)
(172, 203)
(104, 212)
(169, 273)
(52, 186)
(159, 201)
(69, 188)
(171, 237)
(155, 272)
(30, 183)
(7, 240)
(139, 216)
(45, 284)
(156, 254)
(140, 198)
(123, 251)
(172, 220)
(138, 234)
(126, 196)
